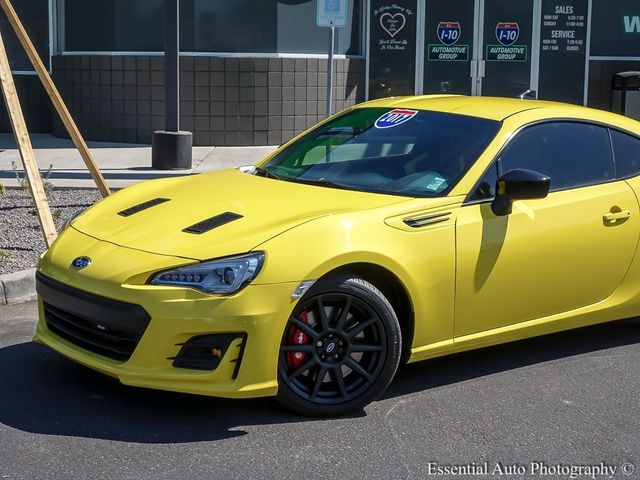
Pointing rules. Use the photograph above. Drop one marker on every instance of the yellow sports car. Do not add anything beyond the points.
(399, 230)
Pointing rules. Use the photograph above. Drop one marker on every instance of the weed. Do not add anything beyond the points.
(24, 181)
(57, 214)
(3, 254)
(3, 190)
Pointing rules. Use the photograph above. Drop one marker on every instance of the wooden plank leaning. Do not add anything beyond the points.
(56, 99)
(24, 146)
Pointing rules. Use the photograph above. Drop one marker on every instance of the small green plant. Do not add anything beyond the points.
(3, 190)
(23, 181)
(3, 254)
(57, 214)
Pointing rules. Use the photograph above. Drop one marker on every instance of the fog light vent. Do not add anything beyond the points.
(205, 352)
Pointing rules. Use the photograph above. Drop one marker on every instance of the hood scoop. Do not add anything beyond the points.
(211, 223)
(142, 206)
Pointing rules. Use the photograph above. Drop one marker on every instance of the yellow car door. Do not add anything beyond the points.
(552, 255)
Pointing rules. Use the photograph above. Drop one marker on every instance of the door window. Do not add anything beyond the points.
(571, 154)
(627, 153)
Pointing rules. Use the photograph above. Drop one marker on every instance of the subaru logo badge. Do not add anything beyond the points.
(81, 262)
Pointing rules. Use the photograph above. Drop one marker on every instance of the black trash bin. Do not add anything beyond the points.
(625, 94)
(171, 150)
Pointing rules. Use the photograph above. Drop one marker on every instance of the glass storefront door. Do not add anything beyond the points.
(470, 47)
(449, 46)
(506, 47)
(392, 48)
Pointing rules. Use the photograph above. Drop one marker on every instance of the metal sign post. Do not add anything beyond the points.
(332, 40)
(331, 14)
(171, 148)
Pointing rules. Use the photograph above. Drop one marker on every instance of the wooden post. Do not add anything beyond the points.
(24, 146)
(56, 99)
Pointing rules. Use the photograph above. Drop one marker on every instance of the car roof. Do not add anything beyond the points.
(494, 108)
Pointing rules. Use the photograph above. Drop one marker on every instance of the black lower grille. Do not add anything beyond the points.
(107, 327)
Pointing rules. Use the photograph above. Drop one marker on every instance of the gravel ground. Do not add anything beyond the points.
(21, 241)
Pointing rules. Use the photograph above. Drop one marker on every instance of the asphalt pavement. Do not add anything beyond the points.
(544, 405)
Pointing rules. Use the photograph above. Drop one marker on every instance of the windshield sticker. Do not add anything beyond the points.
(436, 183)
(394, 118)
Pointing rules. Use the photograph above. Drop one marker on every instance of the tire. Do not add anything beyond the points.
(335, 364)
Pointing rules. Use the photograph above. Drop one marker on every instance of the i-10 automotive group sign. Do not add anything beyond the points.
(448, 34)
(507, 34)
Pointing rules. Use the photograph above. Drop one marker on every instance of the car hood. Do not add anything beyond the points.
(257, 209)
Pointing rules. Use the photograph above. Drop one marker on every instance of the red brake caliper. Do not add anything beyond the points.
(297, 337)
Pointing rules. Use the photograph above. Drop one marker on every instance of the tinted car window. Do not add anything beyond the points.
(627, 154)
(571, 154)
(386, 150)
(486, 188)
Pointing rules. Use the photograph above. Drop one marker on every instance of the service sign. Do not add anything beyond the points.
(448, 33)
(563, 50)
(507, 34)
(332, 13)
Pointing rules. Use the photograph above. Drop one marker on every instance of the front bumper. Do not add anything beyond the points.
(256, 315)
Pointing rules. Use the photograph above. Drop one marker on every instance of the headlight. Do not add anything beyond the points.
(227, 275)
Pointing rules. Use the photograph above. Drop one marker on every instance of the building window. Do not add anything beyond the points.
(228, 26)
(34, 15)
(298, 33)
(113, 25)
(224, 26)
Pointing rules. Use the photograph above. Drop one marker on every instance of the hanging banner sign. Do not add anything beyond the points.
(448, 34)
(507, 33)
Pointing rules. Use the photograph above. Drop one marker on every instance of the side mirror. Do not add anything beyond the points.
(518, 184)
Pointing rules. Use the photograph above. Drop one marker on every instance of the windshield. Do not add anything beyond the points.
(386, 150)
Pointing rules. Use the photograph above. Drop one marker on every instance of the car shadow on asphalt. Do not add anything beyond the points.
(479, 363)
(45, 393)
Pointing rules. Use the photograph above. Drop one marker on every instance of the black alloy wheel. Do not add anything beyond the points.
(340, 348)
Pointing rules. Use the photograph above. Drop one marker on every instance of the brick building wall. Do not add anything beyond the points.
(225, 101)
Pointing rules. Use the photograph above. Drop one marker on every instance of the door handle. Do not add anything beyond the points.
(613, 216)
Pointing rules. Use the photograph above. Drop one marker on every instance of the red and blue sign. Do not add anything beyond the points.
(394, 118)
(449, 32)
(507, 33)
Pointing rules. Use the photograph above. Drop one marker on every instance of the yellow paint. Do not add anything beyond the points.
(474, 279)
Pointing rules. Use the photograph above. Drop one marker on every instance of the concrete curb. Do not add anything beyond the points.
(18, 287)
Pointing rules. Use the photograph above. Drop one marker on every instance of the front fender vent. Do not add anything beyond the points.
(423, 221)
(211, 223)
(142, 206)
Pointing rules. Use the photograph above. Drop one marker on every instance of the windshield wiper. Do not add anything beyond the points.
(322, 182)
(267, 173)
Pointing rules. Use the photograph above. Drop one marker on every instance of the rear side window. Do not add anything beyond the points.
(572, 154)
(627, 153)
